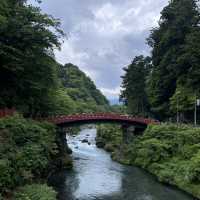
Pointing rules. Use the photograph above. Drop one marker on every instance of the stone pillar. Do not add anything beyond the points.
(128, 132)
(63, 160)
(62, 141)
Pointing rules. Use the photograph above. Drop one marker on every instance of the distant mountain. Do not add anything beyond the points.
(114, 101)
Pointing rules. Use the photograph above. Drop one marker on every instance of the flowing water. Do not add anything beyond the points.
(96, 177)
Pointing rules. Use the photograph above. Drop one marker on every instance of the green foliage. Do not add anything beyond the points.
(27, 149)
(170, 152)
(134, 82)
(62, 103)
(80, 87)
(35, 192)
(150, 151)
(118, 109)
(109, 136)
(174, 57)
(5, 173)
(153, 87)
(30, 78)
(183, 100)
(37, 86)
(27, 65)
(191, 57)
(81, 94)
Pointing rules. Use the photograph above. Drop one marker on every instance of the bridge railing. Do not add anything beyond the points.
(96, 116)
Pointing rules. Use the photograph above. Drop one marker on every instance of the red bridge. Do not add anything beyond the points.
(7, 112)
(92, 118)
(100, 117)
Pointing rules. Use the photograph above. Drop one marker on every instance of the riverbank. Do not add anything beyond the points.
(96, 176)
(29, 152)
(170, 152)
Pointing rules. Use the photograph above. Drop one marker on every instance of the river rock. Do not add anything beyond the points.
(84, 141)
(100, 143)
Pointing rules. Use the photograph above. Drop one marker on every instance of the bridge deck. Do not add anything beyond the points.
(90, 118)
(69, 119)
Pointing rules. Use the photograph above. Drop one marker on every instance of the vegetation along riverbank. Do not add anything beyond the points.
(29, 152)
(170, 152)
(37, 86)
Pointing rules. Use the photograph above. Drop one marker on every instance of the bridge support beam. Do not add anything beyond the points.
(129, 132)
(63, 141)
(64, 160)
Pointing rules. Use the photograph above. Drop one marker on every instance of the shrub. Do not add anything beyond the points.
(109, 133)
(172, 153)
(26, 150)
(194, 168)
(35, 192)
(169, 151)
(6, 174)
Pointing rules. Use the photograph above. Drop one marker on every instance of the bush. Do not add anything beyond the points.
(35, 192)
(109, 134)
(152, 150)
(172, 153)
(27, 149)
(6, 174)
(169, 151)
(194, 168)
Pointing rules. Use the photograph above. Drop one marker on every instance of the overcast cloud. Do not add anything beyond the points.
(103, 36)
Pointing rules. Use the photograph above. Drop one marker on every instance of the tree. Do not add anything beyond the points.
(27, 65)
(182, 103)
(80, 87)
(191, 59)
(168, 43)
(133, 92)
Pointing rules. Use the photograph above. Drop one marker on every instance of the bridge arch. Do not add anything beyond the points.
(136, 124)
(130, 125)
(66, 120)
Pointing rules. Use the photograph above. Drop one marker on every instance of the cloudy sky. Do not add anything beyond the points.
(103, 36)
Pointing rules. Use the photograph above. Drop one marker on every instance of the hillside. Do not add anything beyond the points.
(80, 91)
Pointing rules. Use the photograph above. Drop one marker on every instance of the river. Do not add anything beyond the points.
(96, 177)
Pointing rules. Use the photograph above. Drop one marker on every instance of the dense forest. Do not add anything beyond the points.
(30, 78)
(167, 83)
(80, 92)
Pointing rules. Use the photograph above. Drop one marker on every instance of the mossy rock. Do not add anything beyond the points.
(100, 143)
(66, 162)
(109, 147)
